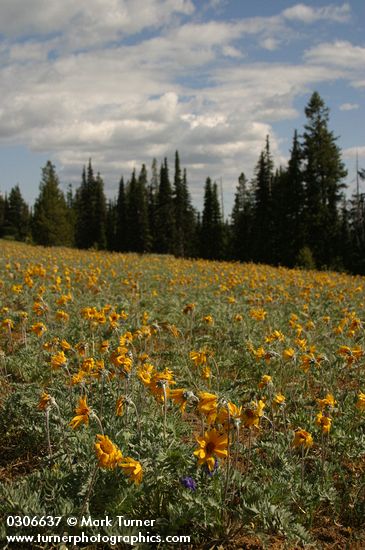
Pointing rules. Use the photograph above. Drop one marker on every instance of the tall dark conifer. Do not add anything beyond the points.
(50, 223)
(16, 216)
(323, 175)
(165, 223)
(121, 219)
(241, 225)
(211, 235)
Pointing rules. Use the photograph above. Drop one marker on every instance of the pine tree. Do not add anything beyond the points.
(2, 215)
(90, 207)
(323, 175)
(211, 235)
(165, 222)
(137, 213)
(50, 224)
(263, 208)
(152, 193)
(121, 219)
(183, 213)
(241, 225)
(16, 216)
(111, 226)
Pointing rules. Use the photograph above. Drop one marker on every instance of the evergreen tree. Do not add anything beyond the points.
(51, 224)
(121, 219)
(165, 222)
(111, 226)
(183, 213)
(323, 175)
(16, 215)
(90, 207)
(263, 208)
(152, 193)
(138, 229)
(2, 215)
(211, 235)
(241, 225)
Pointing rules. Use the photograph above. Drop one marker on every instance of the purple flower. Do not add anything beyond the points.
(188, 482)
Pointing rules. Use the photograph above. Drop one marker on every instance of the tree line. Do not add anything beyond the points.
(297, 215)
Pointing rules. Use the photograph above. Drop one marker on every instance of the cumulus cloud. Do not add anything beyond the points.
(309, 14)
(348, 106)
(82, 79)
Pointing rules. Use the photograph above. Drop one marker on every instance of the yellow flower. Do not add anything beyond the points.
(265, 381)
(62, 315)
(360, 401)
(208, 319)
(189, 308)
(351, 355)
(58, 360)
(199, 358)
(208, 406)
(119, 406)
(234, 413)
(65, 345)
(82, 414)
(328, 401)
(278, 401)
(302, 439)
(7, 324)
(108, 454)
(206, 372)
(212, 445)
(132, 468)
(145, 373)
(44, 401)
(39, 329)
(251, 415)
(180, 397)
(324, 422)
(288, 354)
(258, 314)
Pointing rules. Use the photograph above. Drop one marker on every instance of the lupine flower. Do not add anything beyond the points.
(189, 483)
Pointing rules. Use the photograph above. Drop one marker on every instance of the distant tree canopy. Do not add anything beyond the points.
(50, 223)
(295, 215)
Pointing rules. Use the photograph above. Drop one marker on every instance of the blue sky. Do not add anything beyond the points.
(124, 81)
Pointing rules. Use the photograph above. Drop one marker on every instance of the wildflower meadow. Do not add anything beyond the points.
(225, 401)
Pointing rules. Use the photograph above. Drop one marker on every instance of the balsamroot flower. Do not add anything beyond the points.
(266, 380)
(132, 468)
(324, 422)
(108, 454)
(212, 445)
(58, 360)
(302, 439)
(82, 414)
(208, 406)
(328, 401)
(360, 401)
(251, 415)
(39, 329)
(278, 401)
(44, 402)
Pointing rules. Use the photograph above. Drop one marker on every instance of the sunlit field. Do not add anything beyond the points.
(223, 401)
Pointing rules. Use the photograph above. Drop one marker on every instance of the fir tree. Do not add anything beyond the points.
(263, 210)
(137, 213)
(241, 225)
(211, 235)
(16, 216)
(121, 219)
(323, 175)
(183, 213)
(50, 224)
(165, 223)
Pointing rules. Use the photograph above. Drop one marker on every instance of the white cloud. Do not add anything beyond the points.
(309, 14)
(270, 44)
(348, 106)
(353, 152)
(339, 53)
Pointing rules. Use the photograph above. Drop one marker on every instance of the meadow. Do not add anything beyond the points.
(222, 400)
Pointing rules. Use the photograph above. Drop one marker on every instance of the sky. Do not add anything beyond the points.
(126, 81)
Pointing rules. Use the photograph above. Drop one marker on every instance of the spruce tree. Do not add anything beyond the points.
(121, 219)
(211, 233)
(51, 225)
(323, 175)
(165, 222)
(16, 216)
(183, 213)
(137, 213)
(241, 226)
(263, 208)
(2, 215)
